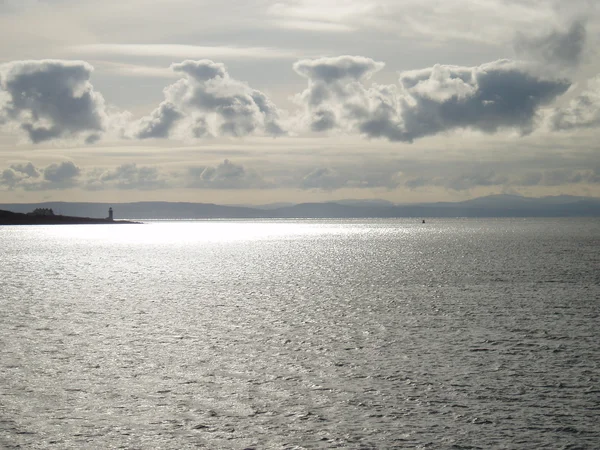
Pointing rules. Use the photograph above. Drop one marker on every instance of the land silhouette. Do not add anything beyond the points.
(46, 216)
(490, 206)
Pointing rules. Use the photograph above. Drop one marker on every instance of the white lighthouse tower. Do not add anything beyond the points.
(110, 214)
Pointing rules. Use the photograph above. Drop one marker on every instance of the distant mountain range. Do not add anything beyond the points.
(490, 206)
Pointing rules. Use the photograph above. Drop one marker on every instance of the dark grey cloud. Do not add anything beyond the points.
(61, 173)
(502, 94)
(27, 169)
(486, 98)
(329, 70)
(226, 175)
(202, 70)
(17, 173)
(9, 178)
(208, 102)
(582, 112)
(561, 46)
(51, 99)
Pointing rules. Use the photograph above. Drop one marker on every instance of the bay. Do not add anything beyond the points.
(456, 333)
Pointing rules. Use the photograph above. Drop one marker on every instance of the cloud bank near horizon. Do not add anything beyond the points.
(457, 176)
(54, 100)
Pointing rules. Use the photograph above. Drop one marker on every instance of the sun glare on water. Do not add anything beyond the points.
(182, 233)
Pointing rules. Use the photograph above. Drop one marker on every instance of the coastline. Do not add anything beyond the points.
(12, 218)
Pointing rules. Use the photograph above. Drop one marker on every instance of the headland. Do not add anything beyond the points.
(13, 218)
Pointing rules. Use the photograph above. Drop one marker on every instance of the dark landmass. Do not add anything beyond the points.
(491, 206)
(14, 218)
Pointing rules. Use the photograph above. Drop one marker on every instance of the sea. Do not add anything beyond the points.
(301, 334)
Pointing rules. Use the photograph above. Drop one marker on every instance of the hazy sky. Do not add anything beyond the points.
(263, 101)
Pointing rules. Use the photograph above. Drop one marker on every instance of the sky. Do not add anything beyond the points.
(258, 101)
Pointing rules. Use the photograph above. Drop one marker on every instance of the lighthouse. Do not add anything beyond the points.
(110, 214)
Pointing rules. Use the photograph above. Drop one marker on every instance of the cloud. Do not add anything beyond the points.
(582, 112)
(51, 99)
(331, 70)
(207, 102)
(469, 180)
(226, 175)
(26, 169)
(62, 175)
(133, 70)
(159, 123)
(561, 46)
(315, 15)
(334, 88)
(9, 178)
(54, 99)
(17, 173)
(490, 97)
(558, 177)
(12, 6)
(182, 51)
(364, 176)
(126, 176)
(323, 178)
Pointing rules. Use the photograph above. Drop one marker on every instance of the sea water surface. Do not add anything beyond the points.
(301, 334)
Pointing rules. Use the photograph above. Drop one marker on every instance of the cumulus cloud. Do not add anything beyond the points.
(365, 176)
(561, 46)
(159, 123)
(582, 112)
(208, 102)
(54, 99)
(51, 99)
(226, 175)
(62, 175)
(126, 176)
(17, 173)
(26, 169)
(501, 94)
(323, 178)
(334, 87)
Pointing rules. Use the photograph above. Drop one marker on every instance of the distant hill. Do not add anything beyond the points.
(490, 206)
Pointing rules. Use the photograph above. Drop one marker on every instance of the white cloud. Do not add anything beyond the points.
(208, 102)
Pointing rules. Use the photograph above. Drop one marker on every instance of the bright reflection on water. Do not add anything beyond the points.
(192, 232)
(301, 334)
